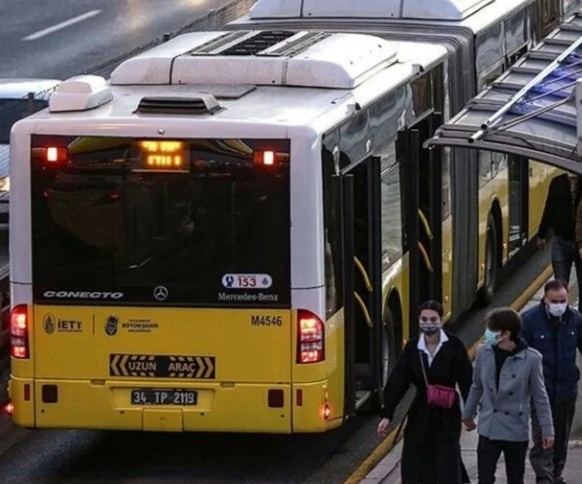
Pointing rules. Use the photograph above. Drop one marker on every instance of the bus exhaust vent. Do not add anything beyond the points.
(199, 104)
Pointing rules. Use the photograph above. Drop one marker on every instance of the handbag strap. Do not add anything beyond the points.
(422, 366)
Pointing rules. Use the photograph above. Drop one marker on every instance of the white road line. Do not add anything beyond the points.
(62, 25)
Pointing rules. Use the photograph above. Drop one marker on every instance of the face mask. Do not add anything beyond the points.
(429, 327)
(557, 310)
(491, 337)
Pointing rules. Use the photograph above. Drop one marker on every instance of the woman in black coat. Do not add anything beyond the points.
(431, 452)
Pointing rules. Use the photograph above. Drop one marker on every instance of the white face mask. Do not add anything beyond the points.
(558, 309)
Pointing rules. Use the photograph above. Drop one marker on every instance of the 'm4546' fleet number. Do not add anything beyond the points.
(266, 321)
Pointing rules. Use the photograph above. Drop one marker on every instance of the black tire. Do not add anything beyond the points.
(487, 291)
(387, 354)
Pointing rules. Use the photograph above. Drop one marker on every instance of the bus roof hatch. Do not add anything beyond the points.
(531, 110)
(267, 58)
(409, 9)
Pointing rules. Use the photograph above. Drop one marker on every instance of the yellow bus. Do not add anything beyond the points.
(229, 234)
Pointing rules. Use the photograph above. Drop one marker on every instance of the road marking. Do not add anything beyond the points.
(389, 443)
(62, 25)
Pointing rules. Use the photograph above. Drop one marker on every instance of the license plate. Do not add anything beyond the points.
(164, 397)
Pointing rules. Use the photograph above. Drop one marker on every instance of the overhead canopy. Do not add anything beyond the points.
(530, 110)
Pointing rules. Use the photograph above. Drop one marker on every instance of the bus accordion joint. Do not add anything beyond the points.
(361, 268)
(19, 332)
(310, 338)
(364, 310)
(425, 257)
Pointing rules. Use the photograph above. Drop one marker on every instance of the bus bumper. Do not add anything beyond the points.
(220, 407)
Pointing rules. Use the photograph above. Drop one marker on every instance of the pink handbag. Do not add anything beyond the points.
(437, 395)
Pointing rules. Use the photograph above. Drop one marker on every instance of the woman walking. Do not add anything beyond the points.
(434, 362)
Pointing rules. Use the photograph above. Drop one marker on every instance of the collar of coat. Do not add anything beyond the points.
(520, 354)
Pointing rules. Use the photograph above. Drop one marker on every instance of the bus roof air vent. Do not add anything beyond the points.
(200, 103)
(250, 43)
(274, 43)
(80, 93)
(377, 9)
(260, 58)
(304, 59)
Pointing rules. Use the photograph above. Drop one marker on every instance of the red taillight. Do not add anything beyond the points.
(269, 158)
(19, 332)
(8, 408)
(56, 154)
(310, 338)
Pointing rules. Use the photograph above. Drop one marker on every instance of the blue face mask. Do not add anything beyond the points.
(491, 337)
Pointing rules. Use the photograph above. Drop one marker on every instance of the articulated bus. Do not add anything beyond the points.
(483, 39)
(229, 234)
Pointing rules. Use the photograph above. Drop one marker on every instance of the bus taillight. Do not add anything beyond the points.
(310, 338)
(56, 154)
(19, 332)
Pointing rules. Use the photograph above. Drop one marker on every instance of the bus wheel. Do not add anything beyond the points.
(487, 291)
(387, 353)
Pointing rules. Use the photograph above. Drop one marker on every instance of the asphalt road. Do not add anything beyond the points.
(61, 38)
(90, 456)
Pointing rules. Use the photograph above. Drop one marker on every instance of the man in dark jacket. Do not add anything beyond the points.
(559, 216)
(555, 330)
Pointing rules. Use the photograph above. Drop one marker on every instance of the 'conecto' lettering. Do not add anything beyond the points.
(82, 295)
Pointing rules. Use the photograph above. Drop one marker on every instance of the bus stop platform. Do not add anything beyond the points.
(388, 470)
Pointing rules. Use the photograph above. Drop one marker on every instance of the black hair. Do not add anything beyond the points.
(555, 285)
(504, 319)
(434, 305)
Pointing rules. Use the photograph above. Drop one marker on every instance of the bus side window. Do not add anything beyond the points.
(517, 36)
(549, 14)
(393, 214)
(332, 231)
(490, 56)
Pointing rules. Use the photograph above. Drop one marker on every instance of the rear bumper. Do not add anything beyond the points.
(220, 408)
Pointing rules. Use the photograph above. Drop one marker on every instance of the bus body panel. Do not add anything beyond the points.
(184, 344)
(395, 283)
(448, 265)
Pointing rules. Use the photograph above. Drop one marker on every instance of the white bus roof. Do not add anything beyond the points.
(259, 87)
(413, 9)
(475, 15)
(309, 59)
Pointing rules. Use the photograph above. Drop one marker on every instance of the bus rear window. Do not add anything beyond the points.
(202, 222)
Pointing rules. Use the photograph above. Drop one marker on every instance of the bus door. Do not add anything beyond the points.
(423, 228)
(520, 172)
(360, 187)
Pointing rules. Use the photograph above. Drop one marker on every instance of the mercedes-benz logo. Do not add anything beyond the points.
(161, 293)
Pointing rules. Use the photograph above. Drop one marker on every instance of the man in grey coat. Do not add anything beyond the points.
(507, 376)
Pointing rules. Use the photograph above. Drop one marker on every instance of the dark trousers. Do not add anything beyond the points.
(564, 254)
(488, 453)
(549, 463)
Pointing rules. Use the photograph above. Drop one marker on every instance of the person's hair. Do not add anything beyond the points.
(434, 305)
(555, 285)
(504, 319)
